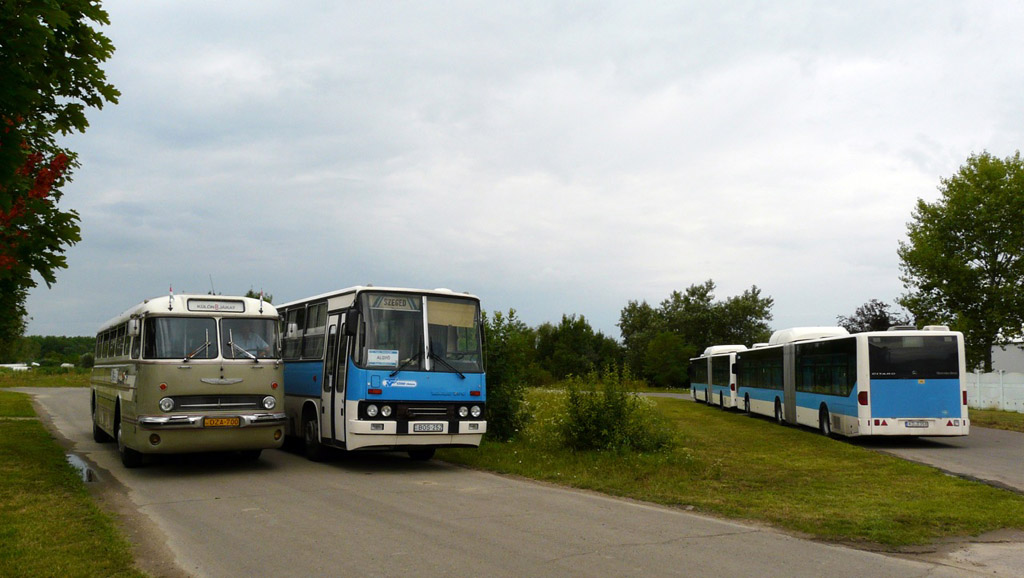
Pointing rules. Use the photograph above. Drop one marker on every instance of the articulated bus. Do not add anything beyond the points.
(712, 378)
(902, 382)
(189, 373)
(375, 368)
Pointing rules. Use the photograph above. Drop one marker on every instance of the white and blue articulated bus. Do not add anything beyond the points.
(902, 382)
(712, 379)
(378, 368)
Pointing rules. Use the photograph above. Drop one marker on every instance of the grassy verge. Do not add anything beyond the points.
(748, 468)
(49, 525)
(44, 378)
(996, 419)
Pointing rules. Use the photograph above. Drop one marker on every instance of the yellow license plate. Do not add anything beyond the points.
(220, 422)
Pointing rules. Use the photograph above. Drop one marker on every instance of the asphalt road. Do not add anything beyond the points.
(388, 515)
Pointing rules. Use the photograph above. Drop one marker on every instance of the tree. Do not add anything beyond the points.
(508, 352)
(872, 316)
(252, 293)
(697, 320)
(963, 261)
(49, 75)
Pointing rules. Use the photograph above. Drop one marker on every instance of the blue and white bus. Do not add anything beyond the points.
(903, 382)
(712, 379)
(377, 368)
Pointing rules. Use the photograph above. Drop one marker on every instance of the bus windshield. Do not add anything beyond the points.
(394, 333)
(914, 357)
(249, 339)
(454, 327)
(180, 337)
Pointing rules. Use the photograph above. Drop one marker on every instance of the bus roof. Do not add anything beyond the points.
(361, 288)
(720, 349)
(187, 303)
(805, 333)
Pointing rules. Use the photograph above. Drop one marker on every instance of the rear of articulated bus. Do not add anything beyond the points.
(700, 379)
(915, 383)
(417, 382)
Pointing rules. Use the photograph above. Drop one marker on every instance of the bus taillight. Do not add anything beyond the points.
(862, 398)
(732, 386)
(964, 392)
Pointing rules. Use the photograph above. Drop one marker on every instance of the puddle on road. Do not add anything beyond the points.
(83, 468)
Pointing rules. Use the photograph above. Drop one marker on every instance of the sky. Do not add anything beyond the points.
(550, 157)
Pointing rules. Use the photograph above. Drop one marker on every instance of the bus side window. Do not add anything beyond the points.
(313, 339)
(294, 321)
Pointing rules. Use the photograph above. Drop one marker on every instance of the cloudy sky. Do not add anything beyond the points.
(552, 157)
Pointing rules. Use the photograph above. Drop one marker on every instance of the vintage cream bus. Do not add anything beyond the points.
(189, 373)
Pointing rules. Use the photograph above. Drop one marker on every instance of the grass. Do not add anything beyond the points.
(752, 469)
(997, 419)
(49, 524)
(44, 377)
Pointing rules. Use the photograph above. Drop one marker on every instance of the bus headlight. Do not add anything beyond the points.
(475, 411)
(269, 402)
(371, 410)
(463, 411)
(385, 411)
(167, 404)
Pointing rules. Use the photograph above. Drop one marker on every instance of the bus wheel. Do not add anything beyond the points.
(421, 454)
(746, 404)
(312, 447)
(824, 422)
(250, 455)
(129, 457)
(778, 412)
(721, 400)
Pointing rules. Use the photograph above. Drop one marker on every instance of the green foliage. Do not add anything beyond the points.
(253, 294)
(49, 350)
(667, 359)
(49, 523)
(602, 414)
(872, 316)
(49, 75)
(509, 349)
(573, 347)
(697, 320)
(963, 261)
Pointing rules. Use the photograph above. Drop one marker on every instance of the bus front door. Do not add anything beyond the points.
(332, 402)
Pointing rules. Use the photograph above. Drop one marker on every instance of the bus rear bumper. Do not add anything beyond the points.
(924, 427)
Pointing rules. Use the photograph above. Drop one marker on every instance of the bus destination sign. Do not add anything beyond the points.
(216, 306)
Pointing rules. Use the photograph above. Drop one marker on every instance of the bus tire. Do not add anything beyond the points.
(129, 457)
(311, 445)
(746, 404)
(824, 422)
(779, 418)
(421, 454)
(721, 400)
(250, 455)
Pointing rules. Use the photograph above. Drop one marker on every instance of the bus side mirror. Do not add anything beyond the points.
(292, 331)
(134, 328)
(351, 323)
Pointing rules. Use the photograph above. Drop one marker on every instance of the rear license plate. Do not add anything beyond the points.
(916, 423)
(428, 427)
(220, 422)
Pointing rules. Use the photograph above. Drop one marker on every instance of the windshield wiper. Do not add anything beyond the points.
(406, 363)
(235, 347)
(445, 363)
(203, 346)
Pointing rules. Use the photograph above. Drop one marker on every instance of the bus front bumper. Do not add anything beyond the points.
(200, 421)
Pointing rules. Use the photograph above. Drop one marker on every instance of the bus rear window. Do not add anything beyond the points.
(914, 357)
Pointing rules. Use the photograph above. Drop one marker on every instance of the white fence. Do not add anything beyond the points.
(996, 390)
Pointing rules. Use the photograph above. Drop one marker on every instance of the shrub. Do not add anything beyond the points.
(602, 414)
